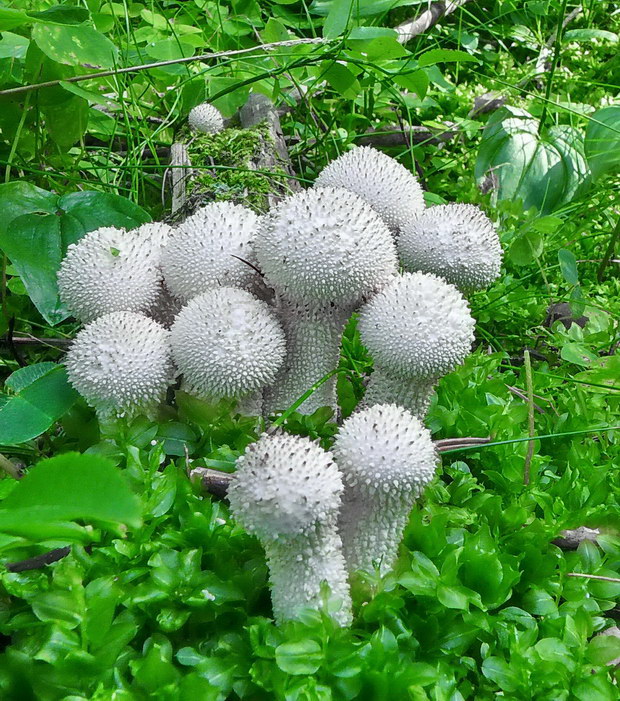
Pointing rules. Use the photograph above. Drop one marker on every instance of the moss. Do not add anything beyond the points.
(224, 167)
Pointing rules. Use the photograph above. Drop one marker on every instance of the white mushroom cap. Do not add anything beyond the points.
(157, 233)
(385, 449)
(227, 343)
(380, 180)
(109, 270)
(121, 364)
(458, 242)
(205, 118)
(284, 486)
(417, 326)
(210, 249)
(325, 246)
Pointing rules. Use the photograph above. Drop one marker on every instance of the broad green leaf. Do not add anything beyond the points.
(75, 45)
(526, 248)
(430, 58)
(568, 266)
(342, 80)
(588, 34)
(86, 487)
(300, 657)
(42, 395)
(61, 14)
(10, 18)
(361, 8)
(499, 671)
(603, 649)
(37, 243)
(338, 17)
(545, 171)
(13, 45)
(578, 353)
(602, 143)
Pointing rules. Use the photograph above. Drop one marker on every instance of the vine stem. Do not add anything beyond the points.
(615, 238)
(554, 64)
(530, 417)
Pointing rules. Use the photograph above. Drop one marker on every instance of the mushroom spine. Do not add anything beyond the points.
(286, 491)
(205, 118)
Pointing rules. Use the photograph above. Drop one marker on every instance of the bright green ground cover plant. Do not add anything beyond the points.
(481, 602)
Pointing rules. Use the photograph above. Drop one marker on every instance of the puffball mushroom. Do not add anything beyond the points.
(457, 242)
(286, 491)
(121, 364)
(386, 458)
(109, 270)
(227, 343)
(322, 251)
(211, 248)
(206, 119)
(380, 180)
(417, 329)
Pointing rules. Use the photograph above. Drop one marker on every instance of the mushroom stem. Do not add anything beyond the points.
(312, 351)
(317, 560)
(411, 393)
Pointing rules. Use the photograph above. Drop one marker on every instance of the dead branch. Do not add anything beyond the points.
(571, 539)
(429, 18)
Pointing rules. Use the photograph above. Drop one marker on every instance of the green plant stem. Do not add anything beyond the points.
(615, 238)
(530, 417)
(557, 45)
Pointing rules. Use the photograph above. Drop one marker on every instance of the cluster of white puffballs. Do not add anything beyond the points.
(253, 308)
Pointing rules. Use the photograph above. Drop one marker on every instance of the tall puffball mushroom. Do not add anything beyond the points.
(386, 457)
(457, 242)
(322, 251)
(417, 329)
(227, 343)
(390, 189)
(110, 270)
(211, 248)
(206, 119)
(286, 491)
(121, 364)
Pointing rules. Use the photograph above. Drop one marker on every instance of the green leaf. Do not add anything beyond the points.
(578, 353)
(545, 171)
(61, 14)
(588, 34)
(74, 486)
(301, 657)
(430, 58)
(337, 18)
(342, 80)
(75, 45)
(603, 649)
(36, 243)
(499, 671)
(568, 266)
(526, 248)
(10, 18)
(43, 395)
(602, 143)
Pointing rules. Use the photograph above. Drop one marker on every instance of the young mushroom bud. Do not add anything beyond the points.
(121, 364)
(390, 189)
(457, 242)
(286, 491)
(206, 119)
(212, 248)
(109, 270)
(227, 343)
(417, 329)
(386, 457)
(322, 251)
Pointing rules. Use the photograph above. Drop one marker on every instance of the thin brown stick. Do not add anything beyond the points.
(429, 18)
(10, 467)
(60, 343)
(159, 64)
(34, 563)
(598, 577)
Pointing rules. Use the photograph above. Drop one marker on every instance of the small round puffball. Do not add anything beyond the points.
(390, 189)
(121, 363)
(417, 326)
(325, 246)
(457, 242)
(227, 343)
(212, 248)
(109, 270)
(284, 485)
(206, 119)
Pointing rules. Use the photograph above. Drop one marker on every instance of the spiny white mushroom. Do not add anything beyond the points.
(227, 343)
(417, 329)
(286, 491)
(109, 270)
(386, 457)
(205, 118)
(121, 364)
(458, 242)
(380, 180)
(322, 251)
(211, 248)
